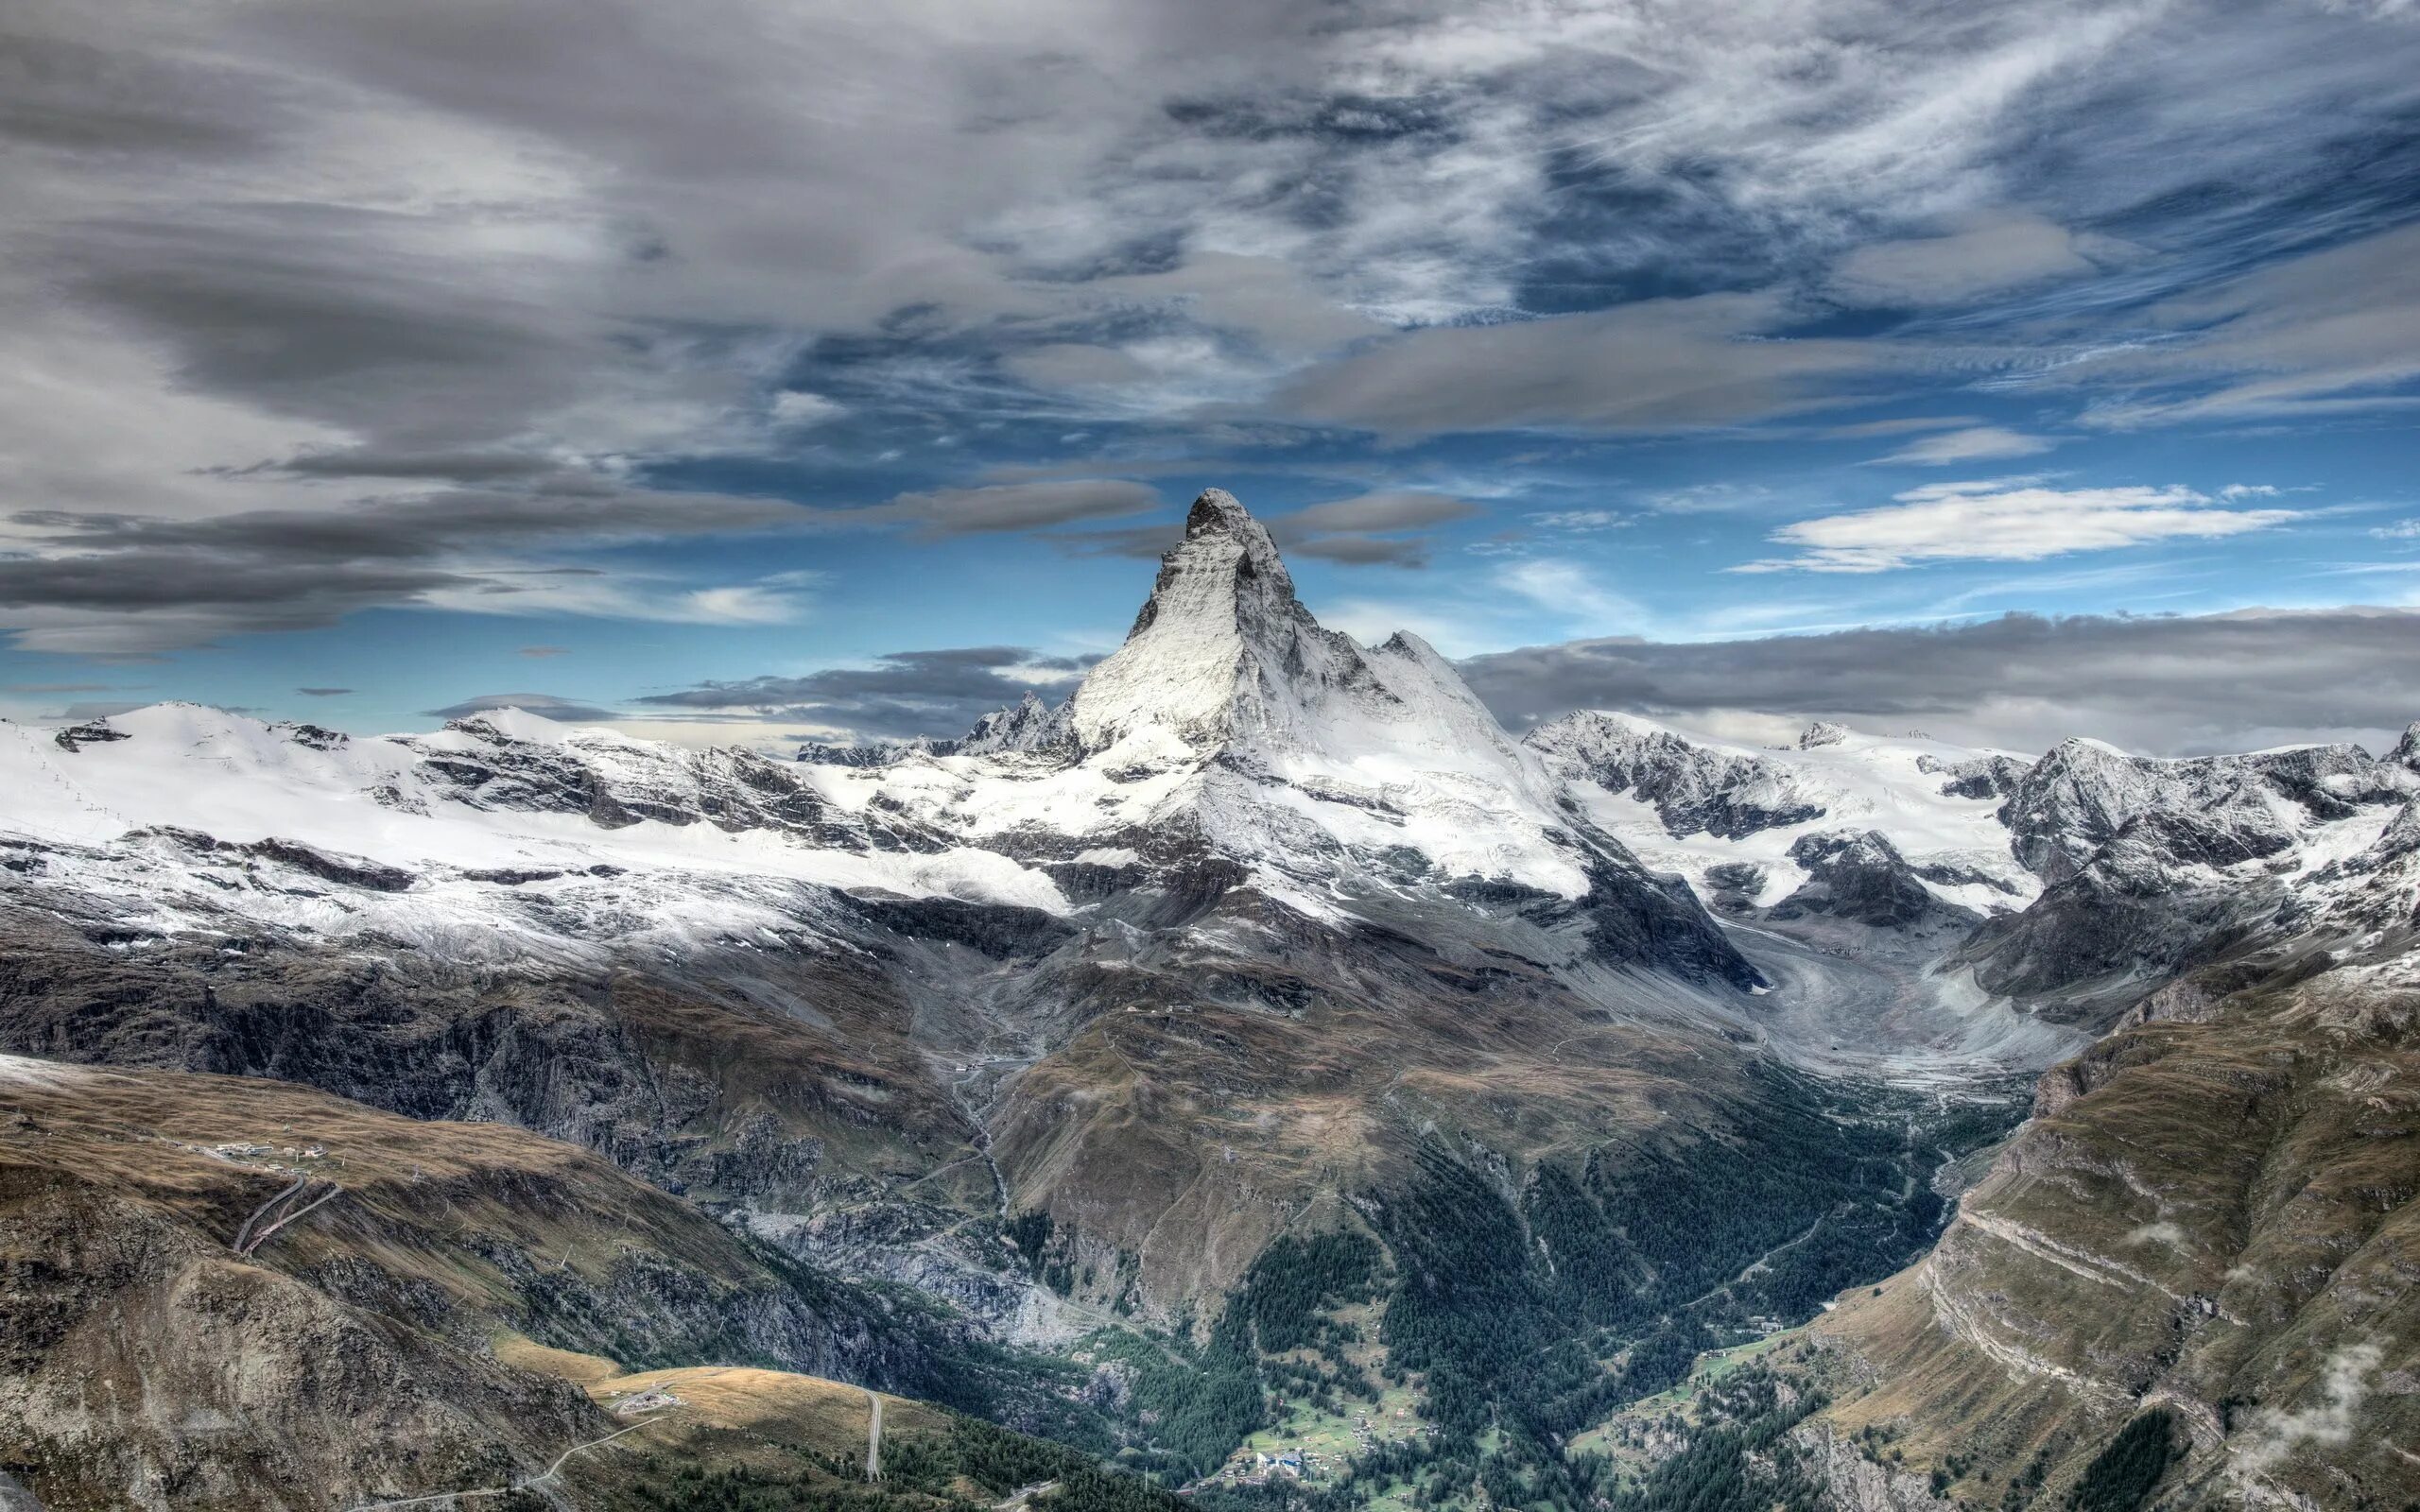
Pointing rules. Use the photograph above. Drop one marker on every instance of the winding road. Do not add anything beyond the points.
(874, 1434)
(534, 1481)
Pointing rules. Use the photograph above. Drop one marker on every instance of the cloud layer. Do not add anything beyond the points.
(2170, 686)
(937, 693)
(612, 311)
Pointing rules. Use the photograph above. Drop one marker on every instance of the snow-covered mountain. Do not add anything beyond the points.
(1232, 748)
(1232, 729)
(1260, 927)
(1734, 819)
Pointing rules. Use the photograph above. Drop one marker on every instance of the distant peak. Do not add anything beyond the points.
(1821, 732)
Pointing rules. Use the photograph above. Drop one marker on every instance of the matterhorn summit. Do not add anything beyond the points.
(1225, 658)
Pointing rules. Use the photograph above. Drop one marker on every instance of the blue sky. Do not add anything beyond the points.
(772, 370)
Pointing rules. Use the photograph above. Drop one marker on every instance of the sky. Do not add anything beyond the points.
(757, 372)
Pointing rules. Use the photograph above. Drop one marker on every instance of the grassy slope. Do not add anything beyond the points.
(2211, 1218)
(377, 1345)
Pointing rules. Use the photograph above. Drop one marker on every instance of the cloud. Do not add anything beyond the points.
(1993, 255)
(1866, 430)
(2331, 332)
(1979, 443)
(1581, 520)
(1709, 498)
(2272, 1433)
(1369, 529)
(2005, 521)
(795, 410)
(1653, 364)
(542, 651)
(322, 692)
(937, 693)
(1003, 506)
(2162, 685)
(1565, 588)
(545, 705)
(120, 584)
(492, 247)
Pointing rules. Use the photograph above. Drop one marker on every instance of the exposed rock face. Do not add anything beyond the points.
(1692, 788)
(1863, 878)
(1032, 726)
(1222, 650)
(2217, 811)
(1853, 1482)
(1978, 777)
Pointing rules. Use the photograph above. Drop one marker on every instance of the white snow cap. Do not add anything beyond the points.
(1218, 644)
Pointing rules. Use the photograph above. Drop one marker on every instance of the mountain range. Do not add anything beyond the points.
(1262, 1049)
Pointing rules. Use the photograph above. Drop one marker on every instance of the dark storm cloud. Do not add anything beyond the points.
(248, 594)
(2170, 686)
(582, 508)
(545, 705)
(938, 692)
(462, 467)
(364, 319)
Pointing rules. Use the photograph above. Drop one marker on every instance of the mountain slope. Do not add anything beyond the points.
(2210, 1221)
(1261, 1031)
(234, 1293)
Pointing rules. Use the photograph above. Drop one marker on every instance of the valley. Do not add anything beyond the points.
(1261, 1078)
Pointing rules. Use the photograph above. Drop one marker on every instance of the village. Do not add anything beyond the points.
(1317, 1446)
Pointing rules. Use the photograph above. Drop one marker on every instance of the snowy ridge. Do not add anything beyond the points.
(1233, 718)
(2087, 803)
(503, 835)
(1234, 748)
(1695, 806)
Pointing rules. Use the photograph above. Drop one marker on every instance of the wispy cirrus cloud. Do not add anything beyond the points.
(1979, 443)
(2005, 520)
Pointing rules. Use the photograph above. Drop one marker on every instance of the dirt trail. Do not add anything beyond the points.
(874, 1434)
(534, 1481)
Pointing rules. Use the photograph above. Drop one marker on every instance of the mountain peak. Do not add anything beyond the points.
(1221, 615)
(1217, 512)
(1229, 554)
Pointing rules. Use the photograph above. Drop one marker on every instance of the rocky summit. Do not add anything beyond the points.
(1261, 1078)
